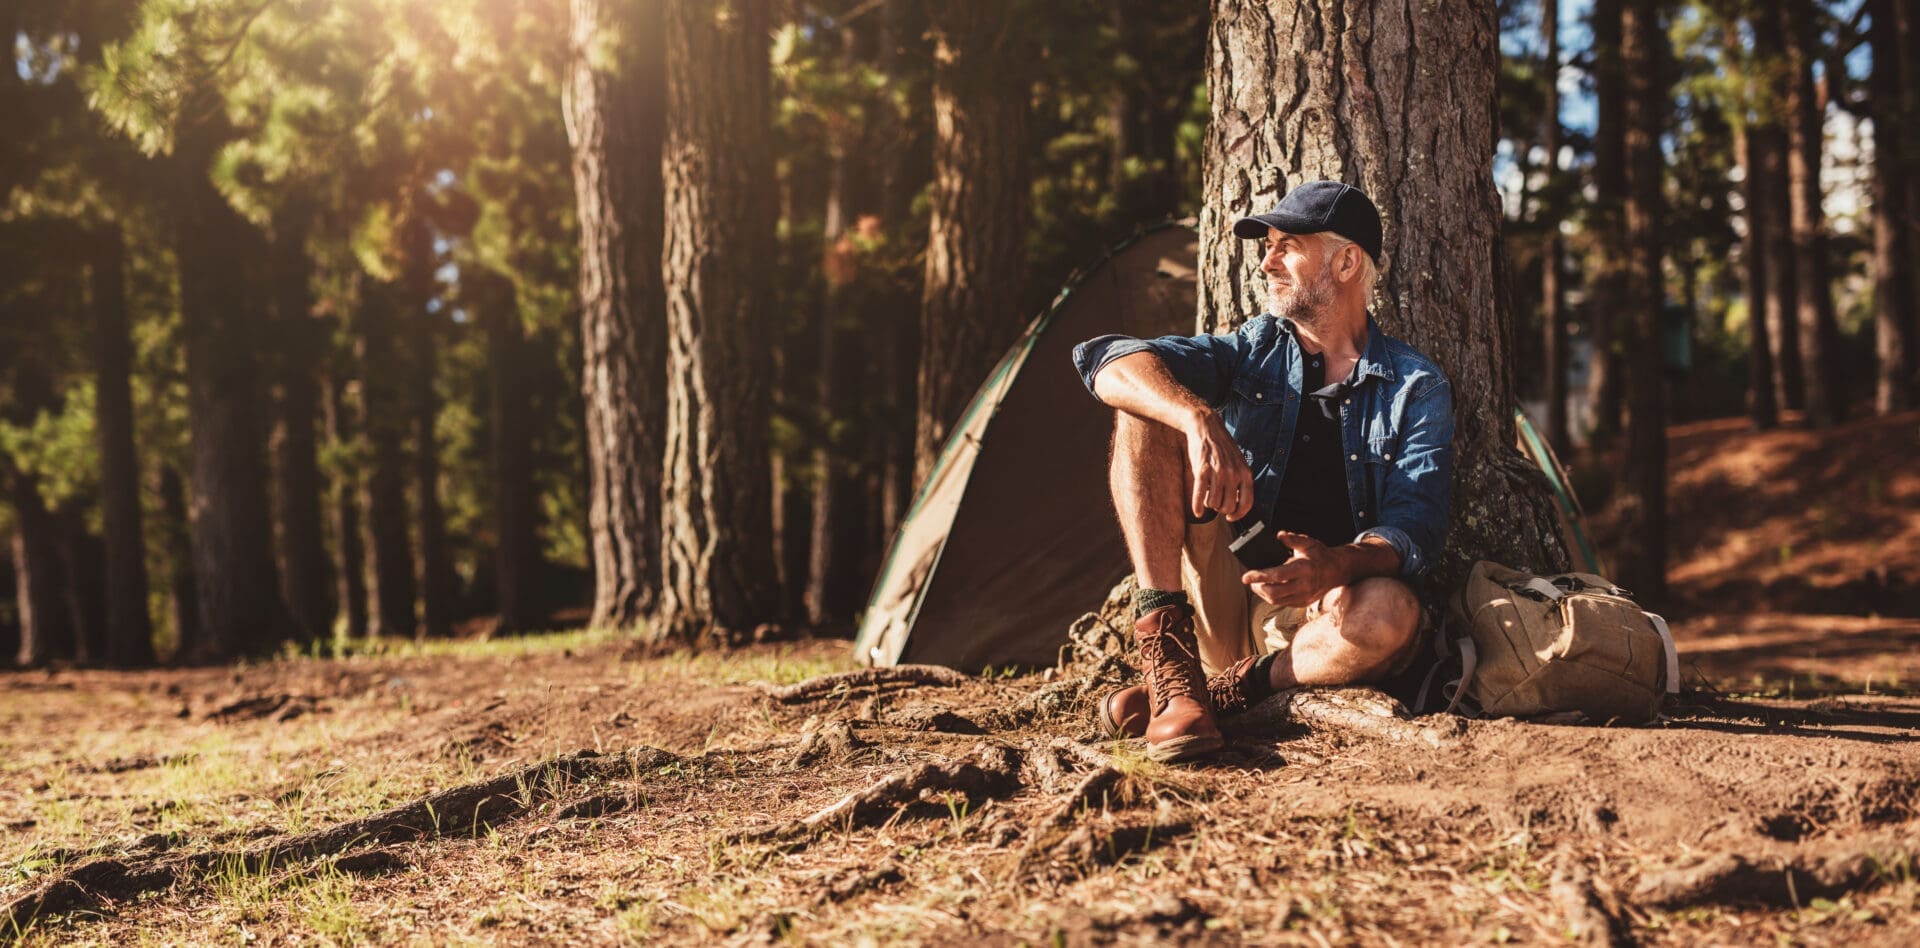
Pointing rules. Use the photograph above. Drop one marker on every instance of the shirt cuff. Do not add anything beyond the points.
(1412, 561)
(1094, 354)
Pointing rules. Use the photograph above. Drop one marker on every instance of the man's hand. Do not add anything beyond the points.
(1314, 570)
(1221, 479)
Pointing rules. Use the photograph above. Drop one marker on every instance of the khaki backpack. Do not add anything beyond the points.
(1537, 645)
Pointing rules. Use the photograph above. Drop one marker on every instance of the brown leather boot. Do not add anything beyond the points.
(1181, 725)
(1124, 712)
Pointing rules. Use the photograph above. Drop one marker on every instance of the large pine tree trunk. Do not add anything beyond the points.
(383, 419)
(976, 245)
(240, 610)
(1553, 314)
(1605, 309)
(1906, 28)
(1643, 506)
(1826, 402)
(516, 558)
(719, 575)
(350, 562)
(129, 627)
(1895, 315)
(615, 106)
(296, 505)
(1325, 90)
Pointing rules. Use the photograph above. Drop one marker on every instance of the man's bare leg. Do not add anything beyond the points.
(1149, 480)
(1359, 632)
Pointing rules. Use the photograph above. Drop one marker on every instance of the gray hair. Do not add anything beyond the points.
(1369, 271)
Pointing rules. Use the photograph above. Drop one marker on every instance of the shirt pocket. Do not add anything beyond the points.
(1253, 414)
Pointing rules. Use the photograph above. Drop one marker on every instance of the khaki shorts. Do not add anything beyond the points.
(1232, 622)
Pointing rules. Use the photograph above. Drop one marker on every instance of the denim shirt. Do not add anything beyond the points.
(1396, 422)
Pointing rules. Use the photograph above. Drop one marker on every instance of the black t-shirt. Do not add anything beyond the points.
(1313, 493)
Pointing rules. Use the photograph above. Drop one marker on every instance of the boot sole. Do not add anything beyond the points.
(1183, 748)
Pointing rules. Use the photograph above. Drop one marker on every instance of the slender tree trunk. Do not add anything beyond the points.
(1553, 315)
(1606, 309)
(10, 623)
(1761, 404)
(46, 622)
(83, 566)
(832, 587)
(1895, 313)
(1323, 92)
(1770, 138)
(383, 418)
(1906, 28)
(1643, 506)
(1826, 402)
(516, 558)
(615, 106)
(296, 508)
(350, 563)
(802, 199)
(183, 592)
(240, 610)
(433, 564)
(719, 573)
(129, 627)
(976, 246)
(906, 166)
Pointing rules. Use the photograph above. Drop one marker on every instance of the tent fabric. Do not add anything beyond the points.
(1012, 537)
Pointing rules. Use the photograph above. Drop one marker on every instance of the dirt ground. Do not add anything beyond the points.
(571, 788)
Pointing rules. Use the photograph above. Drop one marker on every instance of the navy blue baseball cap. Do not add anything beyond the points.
(1318, 206)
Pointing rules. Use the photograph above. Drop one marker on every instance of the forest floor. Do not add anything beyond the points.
(567, 787)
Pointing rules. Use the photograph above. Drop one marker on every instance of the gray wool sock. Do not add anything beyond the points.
(1147, 600)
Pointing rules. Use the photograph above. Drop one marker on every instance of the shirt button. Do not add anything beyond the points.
(1363, 515)
(1353, 457)
(1388, 456)
(1346, 401)
(1259, 396)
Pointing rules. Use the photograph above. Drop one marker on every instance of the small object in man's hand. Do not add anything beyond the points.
(1260, 548)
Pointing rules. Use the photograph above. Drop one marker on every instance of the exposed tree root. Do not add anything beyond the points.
(454, 810)
(1583, 916)
(1359, 712)
(1087, 794)
(1092, 844)
(989, 770)
(865, 678)
(1782, 878)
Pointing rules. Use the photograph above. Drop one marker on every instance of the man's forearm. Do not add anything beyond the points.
(1366, 557)
(1139, 384)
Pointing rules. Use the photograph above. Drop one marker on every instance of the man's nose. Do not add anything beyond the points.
(1271, 261)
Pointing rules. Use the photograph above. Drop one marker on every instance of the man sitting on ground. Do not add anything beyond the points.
(1333, 437)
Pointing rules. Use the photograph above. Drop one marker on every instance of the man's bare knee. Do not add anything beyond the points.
(1377, 616)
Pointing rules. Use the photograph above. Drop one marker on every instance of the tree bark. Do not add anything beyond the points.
(296, 505)
(1643, 506)
(129, 634)
(1553, 316)
(240, 610)
(83, 567)
(516, 558)
(1327, 90)
(1770, 138)
(383, 418)
(906, 162)
(719, 569)
(1605, 310)
(350, 562)
(976, 245)
(1895, 314)
(1826, 402)
(615, 107)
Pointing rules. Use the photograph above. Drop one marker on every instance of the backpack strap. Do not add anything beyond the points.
(1673, 654)
(1469, 660)
(1544, 587)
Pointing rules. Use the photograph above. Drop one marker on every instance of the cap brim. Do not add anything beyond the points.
(1256, 227)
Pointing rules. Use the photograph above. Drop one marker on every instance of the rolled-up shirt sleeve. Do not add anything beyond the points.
(1418, 493)
(1204, 364)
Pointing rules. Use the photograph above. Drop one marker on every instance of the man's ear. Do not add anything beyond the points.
(1350, 263)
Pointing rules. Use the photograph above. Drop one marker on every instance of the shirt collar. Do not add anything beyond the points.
(1376, 361)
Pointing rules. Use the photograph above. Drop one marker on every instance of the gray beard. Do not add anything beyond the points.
(1306, 304)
